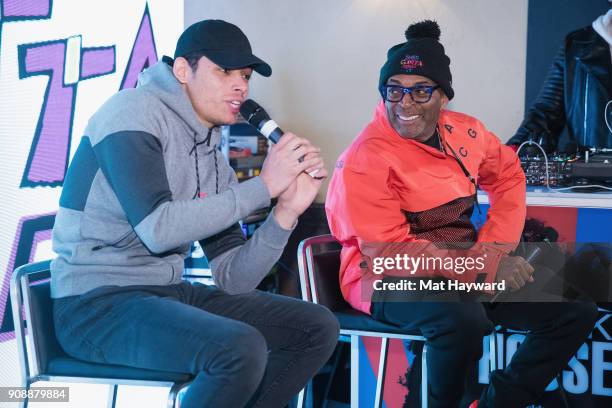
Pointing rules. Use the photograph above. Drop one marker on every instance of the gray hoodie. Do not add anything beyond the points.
(146, 180)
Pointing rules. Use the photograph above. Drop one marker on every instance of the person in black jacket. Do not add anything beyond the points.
(576, 93)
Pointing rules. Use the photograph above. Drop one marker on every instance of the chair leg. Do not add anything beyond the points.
(301, 397)
(174, 392)
(424, 381)
(354, 371)
(24, 404)
(493, 350)
(337, 358)
(380, 378)
(306, 392)
(112, 395)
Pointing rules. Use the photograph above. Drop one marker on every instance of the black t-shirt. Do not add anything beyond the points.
(434, 141)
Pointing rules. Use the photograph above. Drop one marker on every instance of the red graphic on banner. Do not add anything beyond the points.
(562, 219)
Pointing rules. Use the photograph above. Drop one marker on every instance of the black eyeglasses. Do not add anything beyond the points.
(419, 93)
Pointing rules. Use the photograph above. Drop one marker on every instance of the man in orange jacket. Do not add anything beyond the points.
(410, 177)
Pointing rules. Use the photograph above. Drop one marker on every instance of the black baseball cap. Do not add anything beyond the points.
(221, 42)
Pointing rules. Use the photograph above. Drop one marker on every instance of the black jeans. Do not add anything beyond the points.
(454, 332)
(255, 349)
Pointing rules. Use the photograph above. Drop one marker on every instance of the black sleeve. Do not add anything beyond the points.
(223, 241)
(133, 164)
(546, 118)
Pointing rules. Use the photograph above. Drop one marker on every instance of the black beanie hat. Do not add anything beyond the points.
(421, 54)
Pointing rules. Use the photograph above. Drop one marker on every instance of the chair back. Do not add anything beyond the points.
(33, 311)
(319, 267)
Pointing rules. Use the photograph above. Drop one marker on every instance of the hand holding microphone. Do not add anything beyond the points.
(290, 166)
(257, 117)
(283, 165)
(516, 271)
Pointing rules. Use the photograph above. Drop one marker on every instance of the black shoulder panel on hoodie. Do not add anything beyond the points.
(133, 164)
(79, 178)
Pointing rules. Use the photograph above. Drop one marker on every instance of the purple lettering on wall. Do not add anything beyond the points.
(97, 61)
(48, 158)
(21, 10)
(26, 9)
(31, 230)
(143, 52)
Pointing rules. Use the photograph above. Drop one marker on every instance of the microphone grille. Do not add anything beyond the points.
(253, 113)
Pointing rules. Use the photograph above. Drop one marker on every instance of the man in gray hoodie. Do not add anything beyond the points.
(145, 182)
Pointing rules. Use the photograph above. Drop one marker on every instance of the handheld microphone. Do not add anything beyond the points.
(535, 251)
(257, 117)
(532, 255)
